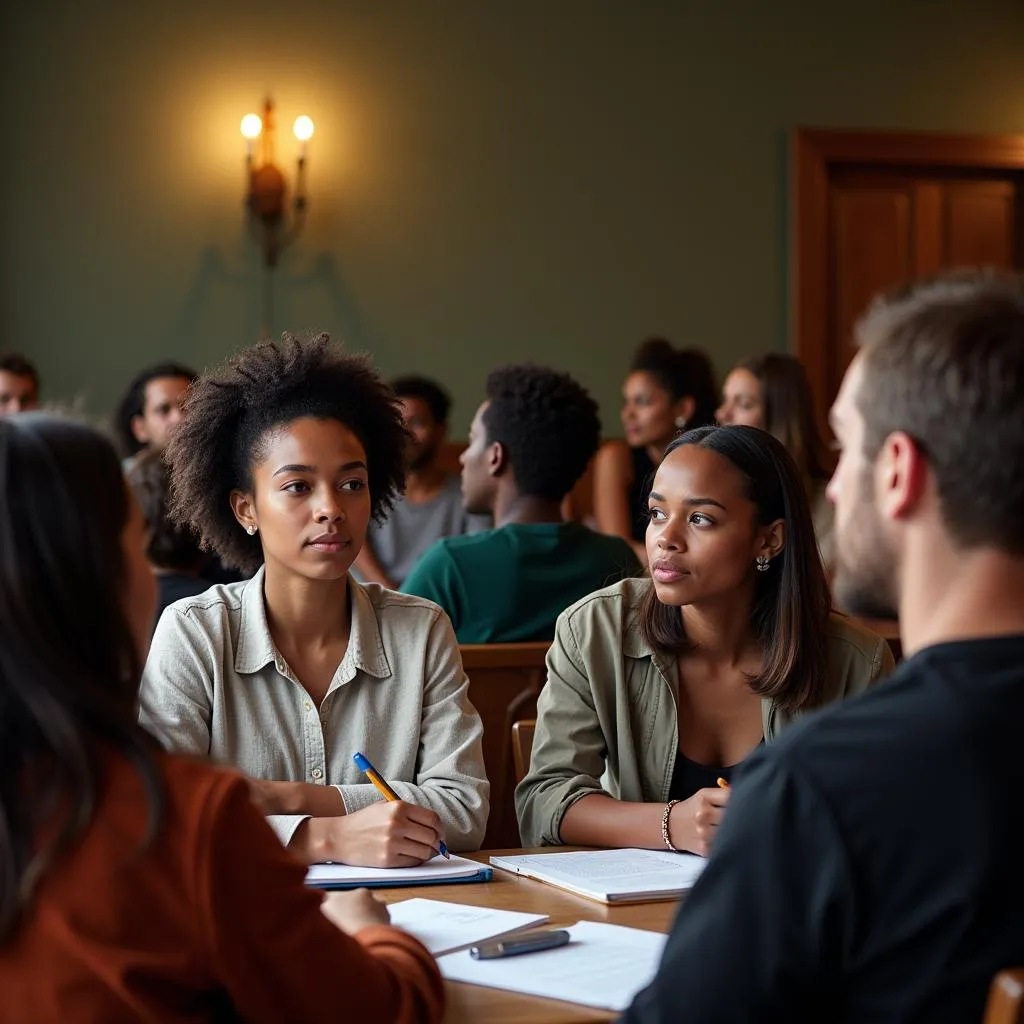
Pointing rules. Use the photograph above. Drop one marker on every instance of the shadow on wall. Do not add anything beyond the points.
(227, 306)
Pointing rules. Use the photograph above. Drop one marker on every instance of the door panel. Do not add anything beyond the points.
(979, 219)
(877, 209)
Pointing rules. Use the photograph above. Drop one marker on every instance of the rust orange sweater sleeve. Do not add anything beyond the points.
(272, 949)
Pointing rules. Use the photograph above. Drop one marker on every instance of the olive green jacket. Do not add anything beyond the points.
(607, 718)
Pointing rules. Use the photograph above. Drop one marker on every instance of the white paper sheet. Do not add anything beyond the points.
(442, 927)
(604, 965)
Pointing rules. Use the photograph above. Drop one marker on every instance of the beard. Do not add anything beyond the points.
(865, 583)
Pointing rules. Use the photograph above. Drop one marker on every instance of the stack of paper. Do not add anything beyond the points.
(611, 876)
(435, 872)
(444, 927)
(604, 965)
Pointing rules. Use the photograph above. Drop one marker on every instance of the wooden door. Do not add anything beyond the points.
(874, 210)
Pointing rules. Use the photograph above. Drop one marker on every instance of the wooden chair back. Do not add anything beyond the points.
(504, 683)
(522, 746)
(1006, 998)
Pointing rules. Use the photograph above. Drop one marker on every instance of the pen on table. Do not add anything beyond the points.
(525, 944)
(386, 791)
(722, 784)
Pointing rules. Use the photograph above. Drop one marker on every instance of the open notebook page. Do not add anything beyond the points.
(608, 875)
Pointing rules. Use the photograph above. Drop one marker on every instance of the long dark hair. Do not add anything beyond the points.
(791, 600)
(69, 667)
(789, 411)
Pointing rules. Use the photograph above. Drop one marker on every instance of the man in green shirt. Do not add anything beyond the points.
(529, 443)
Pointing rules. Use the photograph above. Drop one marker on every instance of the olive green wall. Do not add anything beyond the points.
(491, 181)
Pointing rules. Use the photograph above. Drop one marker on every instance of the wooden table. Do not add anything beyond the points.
(473, 1003)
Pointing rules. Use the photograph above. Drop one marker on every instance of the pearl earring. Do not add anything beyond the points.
(250, 530)
(680, 422)
(762, 563)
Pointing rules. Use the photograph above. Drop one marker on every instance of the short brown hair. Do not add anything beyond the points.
(943, 362)
(17, 365)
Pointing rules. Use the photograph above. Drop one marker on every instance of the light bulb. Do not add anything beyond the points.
(303, 128)
(251, 126)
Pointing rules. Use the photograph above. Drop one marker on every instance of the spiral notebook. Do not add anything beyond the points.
(435, 872)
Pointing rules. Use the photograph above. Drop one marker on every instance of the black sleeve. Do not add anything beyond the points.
(764, 933)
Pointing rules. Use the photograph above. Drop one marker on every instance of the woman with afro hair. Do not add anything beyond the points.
(283, 457)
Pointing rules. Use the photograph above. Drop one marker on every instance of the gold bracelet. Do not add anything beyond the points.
(664, 825)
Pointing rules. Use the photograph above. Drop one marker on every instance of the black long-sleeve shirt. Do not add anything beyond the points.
(870, 867)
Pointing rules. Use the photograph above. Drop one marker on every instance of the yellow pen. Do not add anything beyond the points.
(385, 790)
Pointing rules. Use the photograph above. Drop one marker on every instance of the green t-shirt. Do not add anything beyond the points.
(510, 584)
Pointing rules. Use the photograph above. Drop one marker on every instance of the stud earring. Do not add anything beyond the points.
(680, 422)
(762, 563)
(250, 530)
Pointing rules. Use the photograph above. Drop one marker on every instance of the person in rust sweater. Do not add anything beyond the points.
(137, 885)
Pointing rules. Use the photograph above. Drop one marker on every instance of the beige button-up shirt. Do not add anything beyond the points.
(607, 719)
(215, 684)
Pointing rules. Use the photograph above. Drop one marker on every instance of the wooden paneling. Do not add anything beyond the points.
(871, 210)
(979, 219)
(870, 247)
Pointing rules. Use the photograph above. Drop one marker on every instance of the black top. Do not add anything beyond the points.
(689, 776)
(868, 868)
(643, 477)
(173, 586)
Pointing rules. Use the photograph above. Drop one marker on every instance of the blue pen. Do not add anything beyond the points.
(386, 791)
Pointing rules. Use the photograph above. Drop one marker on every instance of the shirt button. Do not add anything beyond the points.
(308, 706)
(317, 773)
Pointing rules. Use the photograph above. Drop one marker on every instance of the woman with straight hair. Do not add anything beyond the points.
(772, 392)
(136, 885)
(658, 688)
(665, 391)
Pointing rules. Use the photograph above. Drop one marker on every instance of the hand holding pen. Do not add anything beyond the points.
(419, 815)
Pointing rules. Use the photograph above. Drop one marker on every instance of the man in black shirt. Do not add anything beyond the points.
(871, 865)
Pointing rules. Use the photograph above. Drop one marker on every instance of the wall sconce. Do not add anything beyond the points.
(267, 190)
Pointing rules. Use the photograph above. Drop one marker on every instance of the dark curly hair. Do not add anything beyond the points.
(682, 373)
(548, 425)
(171, 546)
(230, 410)
(134, 399)
(437, 399)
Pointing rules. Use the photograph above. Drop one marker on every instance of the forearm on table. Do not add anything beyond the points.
(307, 798)
(599, 820)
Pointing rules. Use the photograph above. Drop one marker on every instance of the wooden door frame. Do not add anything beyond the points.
(813, 153)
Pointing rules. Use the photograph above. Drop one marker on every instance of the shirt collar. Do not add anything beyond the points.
(633, 643)
(256, 648)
